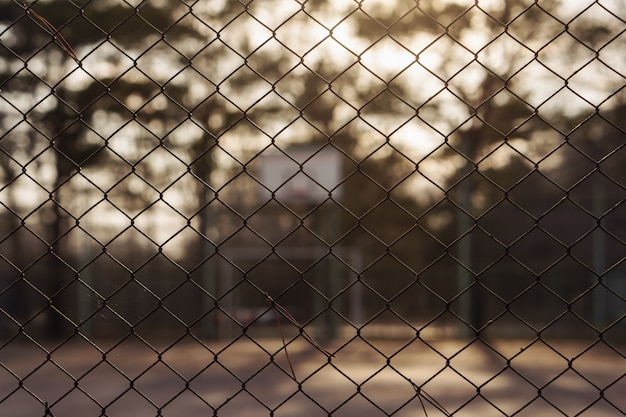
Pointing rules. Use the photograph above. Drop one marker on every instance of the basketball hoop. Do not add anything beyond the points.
(318, 178)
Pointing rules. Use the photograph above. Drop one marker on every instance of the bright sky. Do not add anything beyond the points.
(386, 60)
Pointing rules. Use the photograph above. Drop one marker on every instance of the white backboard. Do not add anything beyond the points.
(321, 173)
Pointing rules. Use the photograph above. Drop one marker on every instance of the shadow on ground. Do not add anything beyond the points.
(362, 378)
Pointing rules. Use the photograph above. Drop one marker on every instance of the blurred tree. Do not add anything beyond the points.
(135, 122)
(70, 112)
(492, 83)
(444, 111)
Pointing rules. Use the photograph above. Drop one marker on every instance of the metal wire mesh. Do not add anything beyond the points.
(286, 207)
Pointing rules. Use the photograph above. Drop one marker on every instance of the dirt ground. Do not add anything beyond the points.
(253, 378)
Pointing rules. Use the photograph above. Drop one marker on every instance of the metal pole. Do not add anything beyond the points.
(318, 304)
(86, 276)
(209, 271)
(464, 276)
(356, 292)
(598, 251)
(334, 272)
(468, 305)
(225, 326)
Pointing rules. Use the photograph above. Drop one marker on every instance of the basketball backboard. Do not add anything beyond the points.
(307, 175)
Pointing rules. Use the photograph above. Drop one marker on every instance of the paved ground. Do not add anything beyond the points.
(357, 381)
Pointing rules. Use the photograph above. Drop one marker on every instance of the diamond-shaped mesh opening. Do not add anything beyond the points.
(277, 207)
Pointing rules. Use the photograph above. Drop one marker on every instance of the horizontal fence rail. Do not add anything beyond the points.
(312, 208)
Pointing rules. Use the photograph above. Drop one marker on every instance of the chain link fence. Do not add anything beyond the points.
(312, 208)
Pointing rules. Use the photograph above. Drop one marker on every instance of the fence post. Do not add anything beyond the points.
(598, 251)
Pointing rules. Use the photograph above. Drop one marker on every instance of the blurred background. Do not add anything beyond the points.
(393, 168)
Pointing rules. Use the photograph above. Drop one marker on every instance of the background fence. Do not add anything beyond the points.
(287, 207)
